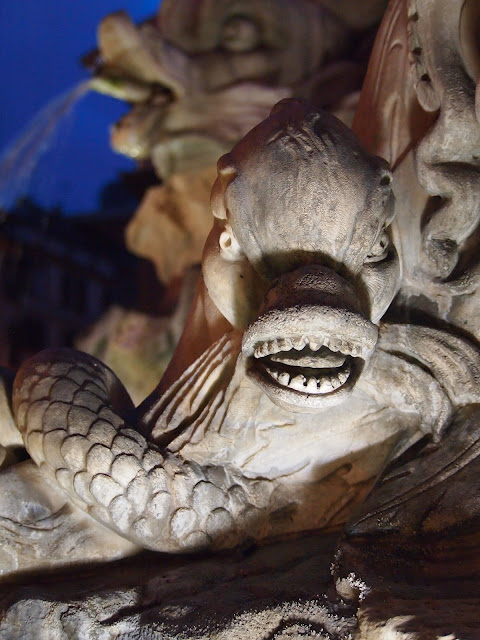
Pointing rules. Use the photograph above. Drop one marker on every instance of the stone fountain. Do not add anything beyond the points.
(307, 465)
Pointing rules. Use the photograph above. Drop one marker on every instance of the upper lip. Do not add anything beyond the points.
(332, 343)
(340, 329)
(309, 350)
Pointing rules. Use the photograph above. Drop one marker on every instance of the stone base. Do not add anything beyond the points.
(275, 592)
(281, 591)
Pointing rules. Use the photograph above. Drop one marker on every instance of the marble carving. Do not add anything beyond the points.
(199, 75)
(419, 110)
(194, 88)
(297, 401)
(282, 416)
(202, 464)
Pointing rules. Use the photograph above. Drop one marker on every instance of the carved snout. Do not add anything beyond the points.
(133, 135)
(312, 284)
(310, 341)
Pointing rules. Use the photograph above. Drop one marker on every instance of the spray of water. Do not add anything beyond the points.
(20, 158)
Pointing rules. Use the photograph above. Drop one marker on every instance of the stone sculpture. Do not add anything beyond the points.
(201, 464)
(293, 388)
(195, 88)
(284, 401)
(200, 75)
(419, 110)
(292, 359)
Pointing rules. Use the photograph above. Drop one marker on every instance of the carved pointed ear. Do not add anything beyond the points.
(226, 173)
(234, 286)
(381, 281)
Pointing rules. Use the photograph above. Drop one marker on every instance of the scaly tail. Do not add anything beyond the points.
(71, 411)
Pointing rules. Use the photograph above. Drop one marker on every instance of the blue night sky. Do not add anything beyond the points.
(42, 42)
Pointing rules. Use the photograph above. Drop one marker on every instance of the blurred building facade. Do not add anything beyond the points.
(58, 274)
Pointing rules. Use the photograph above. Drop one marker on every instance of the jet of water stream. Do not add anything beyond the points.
(19, 160)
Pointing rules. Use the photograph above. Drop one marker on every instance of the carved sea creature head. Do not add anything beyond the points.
(202, 73)
(299, 258)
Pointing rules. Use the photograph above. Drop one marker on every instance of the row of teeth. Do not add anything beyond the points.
(311, 384)
(286, 344)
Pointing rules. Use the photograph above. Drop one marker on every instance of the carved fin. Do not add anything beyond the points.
(388, 100)
(454, 362)
(434, 491)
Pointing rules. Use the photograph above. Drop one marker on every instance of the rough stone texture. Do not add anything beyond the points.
(288, 395)
(419, 110)
(282, 591)
(409, 588)
(41, 528)
(274, 592)
(198, 86)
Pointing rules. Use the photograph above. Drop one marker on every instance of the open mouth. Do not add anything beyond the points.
(306, 365)
(309, 371)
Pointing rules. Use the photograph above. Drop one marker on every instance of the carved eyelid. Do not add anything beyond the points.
(379, 249)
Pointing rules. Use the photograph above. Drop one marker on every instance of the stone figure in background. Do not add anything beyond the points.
(419, 110)
(284, 400)
(200, 75)
(138, 346)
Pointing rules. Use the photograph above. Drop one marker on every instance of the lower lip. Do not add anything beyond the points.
(300, 401)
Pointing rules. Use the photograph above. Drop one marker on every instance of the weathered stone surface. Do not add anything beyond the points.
(412, 588)
(419, 110)
(289, 394)
(282, 591)
(41, 528)
(198, 87)
(271, 592)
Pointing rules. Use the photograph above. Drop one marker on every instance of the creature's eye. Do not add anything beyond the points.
(240, 34)
(379, 250)
(229, 246)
